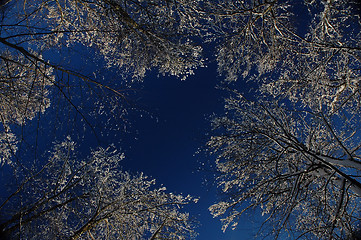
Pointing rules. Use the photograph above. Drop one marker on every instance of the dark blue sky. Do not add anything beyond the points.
(170, 135)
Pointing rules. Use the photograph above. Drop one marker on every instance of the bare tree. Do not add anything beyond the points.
(68, 198)
(307, 51)
(301, 168)
(132, 37)
(294, 149)
(251, 35)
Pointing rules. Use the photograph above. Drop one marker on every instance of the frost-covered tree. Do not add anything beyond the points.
(251, 33)
(8, 146)
(70, 198)
(23, 93)
(308, 51)
(294, 151)
(132, 37)
(23, 89)
(301, 168)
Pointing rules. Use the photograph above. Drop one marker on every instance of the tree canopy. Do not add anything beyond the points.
(294, 150)
(290, 149)
(69, 198)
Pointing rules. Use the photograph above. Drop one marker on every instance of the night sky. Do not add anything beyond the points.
(170, 136)
(166, 130)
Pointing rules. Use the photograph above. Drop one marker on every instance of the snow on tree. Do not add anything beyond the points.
(23, 89)
(251, 33)
(24, 92)
(308, 51)
(325, 72)
(294, 149)
(135, 35)
(301, 168)
(132, 37)
(70, 198)
(8, 147)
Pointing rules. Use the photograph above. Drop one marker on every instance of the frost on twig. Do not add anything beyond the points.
(303, 175)
(71, 198)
